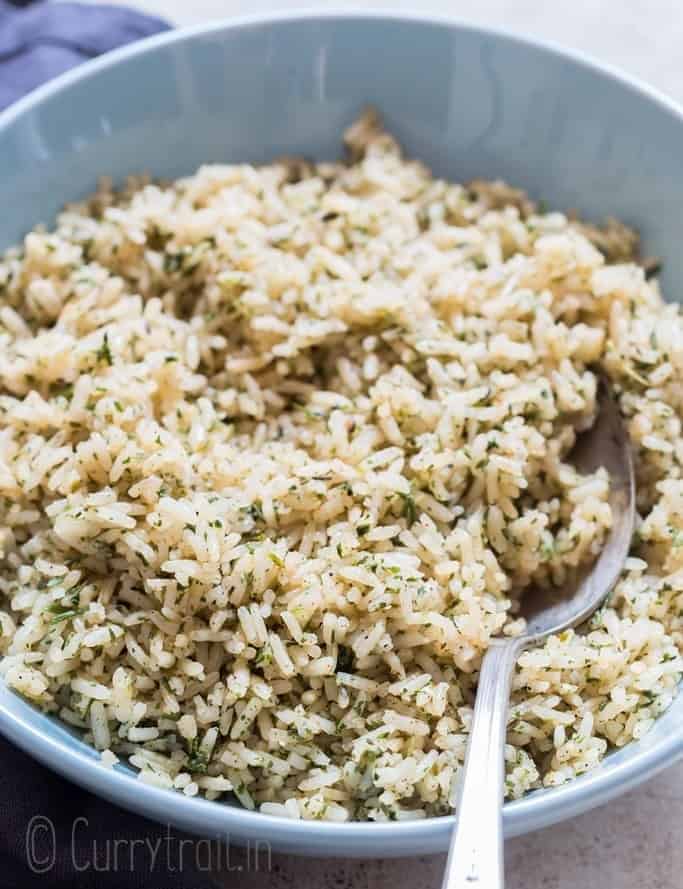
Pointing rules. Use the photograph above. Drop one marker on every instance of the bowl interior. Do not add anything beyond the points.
(470, 104)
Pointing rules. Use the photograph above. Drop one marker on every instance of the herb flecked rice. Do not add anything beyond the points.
(282, 446)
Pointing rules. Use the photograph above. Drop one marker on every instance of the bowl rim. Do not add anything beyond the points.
(20, 721)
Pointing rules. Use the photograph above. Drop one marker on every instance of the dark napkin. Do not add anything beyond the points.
(41, 40)
(53, 835)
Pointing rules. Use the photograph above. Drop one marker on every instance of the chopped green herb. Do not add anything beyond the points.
(197, 761)
(264, 658)
(409, 509)
(104, 352)
(255, 510)
(172, 262)
(65, 390)
(61, 612)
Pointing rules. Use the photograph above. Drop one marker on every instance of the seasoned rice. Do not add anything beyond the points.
(281, 448)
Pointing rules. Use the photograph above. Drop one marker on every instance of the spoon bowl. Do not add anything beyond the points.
(548, 610)
(475, 859)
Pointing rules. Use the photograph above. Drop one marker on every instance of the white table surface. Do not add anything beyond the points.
(632, 843)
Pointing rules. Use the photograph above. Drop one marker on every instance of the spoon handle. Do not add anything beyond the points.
(475, 858)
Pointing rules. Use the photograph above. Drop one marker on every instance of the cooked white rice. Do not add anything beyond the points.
(281, 447)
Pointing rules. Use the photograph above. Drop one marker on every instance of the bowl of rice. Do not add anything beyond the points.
(295, 340)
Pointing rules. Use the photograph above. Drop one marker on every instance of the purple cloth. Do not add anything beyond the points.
(41, 40)
(53, 835)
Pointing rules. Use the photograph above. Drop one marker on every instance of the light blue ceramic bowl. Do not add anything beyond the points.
(467, 101)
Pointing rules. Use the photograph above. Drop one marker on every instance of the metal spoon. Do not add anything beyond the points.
(475, 859)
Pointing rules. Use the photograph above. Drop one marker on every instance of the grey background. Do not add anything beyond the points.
(632, 843)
